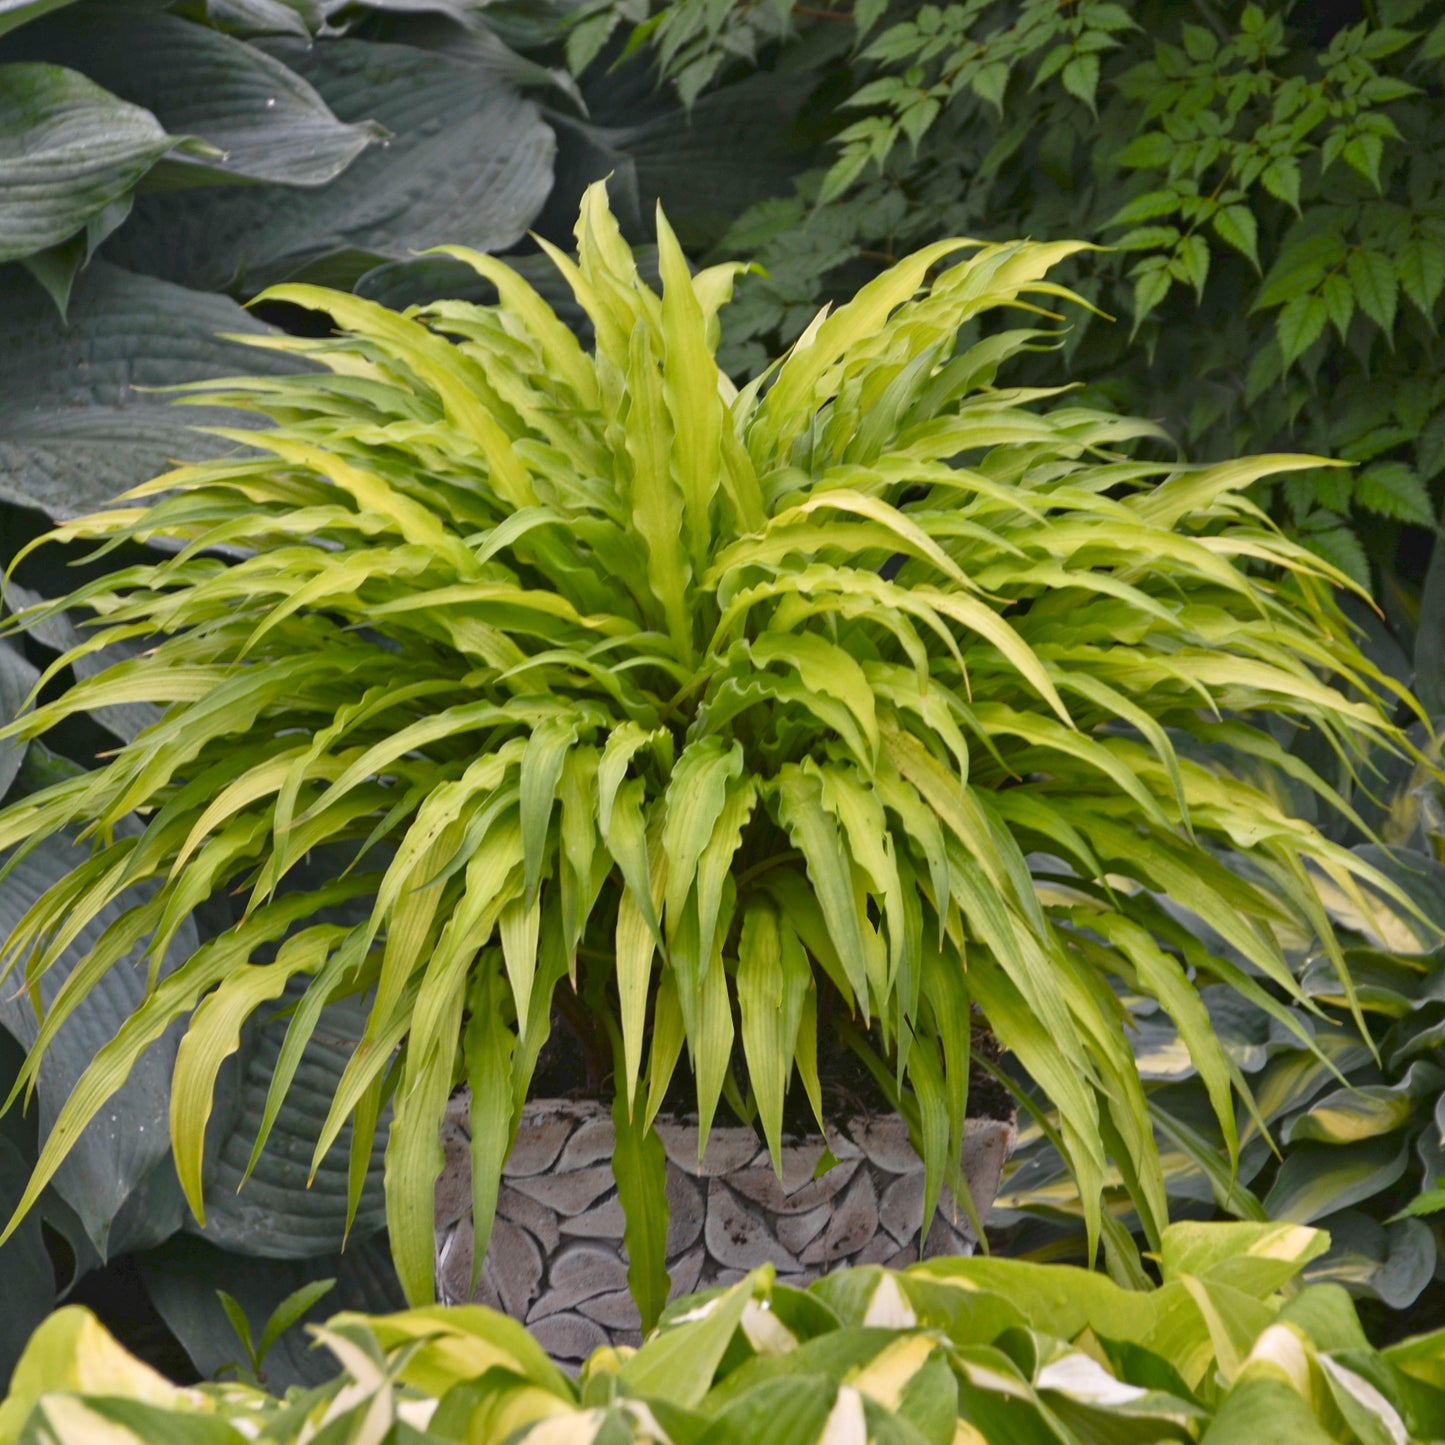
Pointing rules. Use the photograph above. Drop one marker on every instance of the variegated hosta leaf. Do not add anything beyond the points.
(977, 1352)
(873, 680)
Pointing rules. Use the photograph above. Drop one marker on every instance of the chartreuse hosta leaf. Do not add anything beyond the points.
(869, 690)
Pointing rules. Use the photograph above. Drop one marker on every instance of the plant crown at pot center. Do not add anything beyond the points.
(591, 671)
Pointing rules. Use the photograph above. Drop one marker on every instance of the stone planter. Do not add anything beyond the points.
(556, 1259)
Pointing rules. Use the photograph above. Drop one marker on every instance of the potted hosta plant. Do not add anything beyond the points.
(870, 700)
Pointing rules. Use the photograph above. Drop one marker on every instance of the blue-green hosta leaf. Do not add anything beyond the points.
(118, 1177)
(1294, 1076)
(24, 1266)
(60, 634)
(464, 10)
(276, 1213)
(57, 267)
(481, 44)
(183, 1274)
(469, 162)
(1430, 636)
(125, 720)
(74, 431)
(1159, 1052)
(1393, 1263)
(266, 17)
(258, 119)
(68, 150)
(1384, 983)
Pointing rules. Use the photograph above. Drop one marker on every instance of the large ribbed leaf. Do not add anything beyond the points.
(1394, 1263)
(68, 149)
(265, 17)
(1430, 639)
(118, 1178)
(1409, 927)
(469, 160)
(57, 266)
(710, 163)
(58, 633)
(259, 120)
(74, 431)
(24, 1266)
(279, 1211)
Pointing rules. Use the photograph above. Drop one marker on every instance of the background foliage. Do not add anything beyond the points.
(1269, 176)
(164, 160)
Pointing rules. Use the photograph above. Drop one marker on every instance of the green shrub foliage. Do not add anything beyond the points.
(585, 669)
(1273, 192)
(961, 1352)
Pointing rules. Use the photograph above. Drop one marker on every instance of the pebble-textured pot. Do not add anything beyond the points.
(556, 1259)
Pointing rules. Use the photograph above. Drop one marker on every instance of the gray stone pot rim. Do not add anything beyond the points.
(556, 1259)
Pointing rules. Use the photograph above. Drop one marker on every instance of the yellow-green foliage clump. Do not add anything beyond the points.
(873, 679)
